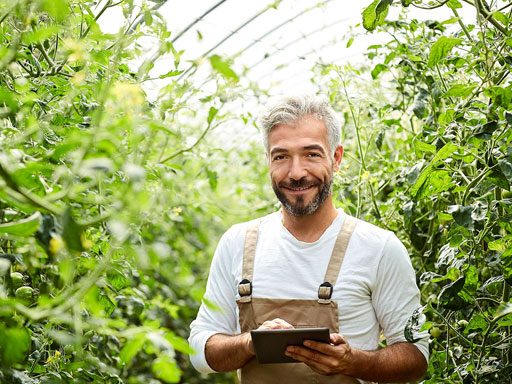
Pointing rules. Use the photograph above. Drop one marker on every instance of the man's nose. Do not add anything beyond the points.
(297, 170)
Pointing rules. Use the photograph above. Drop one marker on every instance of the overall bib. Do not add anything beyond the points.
(322, 312)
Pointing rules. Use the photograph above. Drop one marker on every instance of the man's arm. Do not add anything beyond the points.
(400, 362)
(226, 353)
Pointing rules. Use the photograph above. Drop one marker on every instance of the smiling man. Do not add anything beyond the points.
(309, 265)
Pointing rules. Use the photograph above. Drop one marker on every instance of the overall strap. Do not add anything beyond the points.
(251, 238)
(337, 256)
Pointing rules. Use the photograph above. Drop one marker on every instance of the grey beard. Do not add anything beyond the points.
(299, 209)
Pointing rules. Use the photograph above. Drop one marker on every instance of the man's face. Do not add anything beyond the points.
(301, 166)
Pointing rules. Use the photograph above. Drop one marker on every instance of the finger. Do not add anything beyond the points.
(325, 348)
(337, 338)
(306, 354)
(315, 360)
(283, 323)
(276, 324)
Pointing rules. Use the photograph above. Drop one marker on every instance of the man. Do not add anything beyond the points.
(309, 264)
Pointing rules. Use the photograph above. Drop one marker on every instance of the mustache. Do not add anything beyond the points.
(301, 183)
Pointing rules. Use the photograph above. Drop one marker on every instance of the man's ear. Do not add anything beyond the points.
(338, 155)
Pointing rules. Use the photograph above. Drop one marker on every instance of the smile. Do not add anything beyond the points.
(300, 188)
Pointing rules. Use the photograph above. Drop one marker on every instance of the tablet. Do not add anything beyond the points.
(270, 344)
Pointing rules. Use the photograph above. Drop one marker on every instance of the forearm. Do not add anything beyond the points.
(400, 362)
(226, 353)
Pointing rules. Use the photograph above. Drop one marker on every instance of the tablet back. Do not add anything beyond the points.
(270, 344)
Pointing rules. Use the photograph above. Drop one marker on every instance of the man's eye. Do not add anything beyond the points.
(278, 157)
(313, 154)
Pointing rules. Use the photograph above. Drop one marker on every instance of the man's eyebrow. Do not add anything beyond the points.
(278, 150)
(317, 147)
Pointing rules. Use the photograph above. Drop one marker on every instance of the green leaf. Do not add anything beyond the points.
(485, 131)
(71, 232)
(420, 146)
(377, 70)
(118, 280)
(503, 309)
(222, 66)
(165, 368)
(179, 343)
(450, 290)
(14, 345)
(148, 18)
(444, 152)
(506, 168)
(171, 74)
(419, 104)
(501, 17)
(132, 347)
(471, 284)
(40, 34)
(406, 3)
(441, 48)
(212, 112)
(375, 14)
(460, 90)
(59, 9)
(431, 181)
(24, 227)
(462, 215)
(414, 325)
(453, 4)
(349, 42)
(477, 322)
(98, 303)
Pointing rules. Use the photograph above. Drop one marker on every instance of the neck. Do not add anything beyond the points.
(310, 228)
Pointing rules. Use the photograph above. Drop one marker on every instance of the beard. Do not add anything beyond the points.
(299, 208)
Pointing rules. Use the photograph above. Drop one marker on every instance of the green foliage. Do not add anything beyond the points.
(427, 142)
(110, 203)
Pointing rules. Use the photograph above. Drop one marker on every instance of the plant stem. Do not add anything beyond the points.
(360, 148)
(462, 25)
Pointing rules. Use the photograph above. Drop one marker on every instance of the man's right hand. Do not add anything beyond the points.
(277, 323)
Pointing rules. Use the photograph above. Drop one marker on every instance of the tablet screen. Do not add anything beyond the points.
(270, 344)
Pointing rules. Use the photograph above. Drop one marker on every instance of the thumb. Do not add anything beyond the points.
(337, 338)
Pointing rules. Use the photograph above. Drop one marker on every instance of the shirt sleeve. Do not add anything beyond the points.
(218, 312)
(396, 295)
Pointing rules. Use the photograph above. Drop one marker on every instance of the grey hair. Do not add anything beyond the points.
(291, 109)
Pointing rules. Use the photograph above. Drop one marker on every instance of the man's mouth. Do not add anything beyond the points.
(298, 189)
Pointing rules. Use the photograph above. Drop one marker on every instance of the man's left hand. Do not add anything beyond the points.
(323, 358)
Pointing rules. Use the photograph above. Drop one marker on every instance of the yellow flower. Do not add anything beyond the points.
(373, 180)
(76, 50)
(78, 78)
(177, 211)
(365, 175)
(56, 245)
(128, 94)
(86, 243)
(51, 358)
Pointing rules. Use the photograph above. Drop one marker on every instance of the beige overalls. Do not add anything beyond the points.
(254, 311)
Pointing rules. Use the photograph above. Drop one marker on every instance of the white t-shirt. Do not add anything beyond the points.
(375, 291)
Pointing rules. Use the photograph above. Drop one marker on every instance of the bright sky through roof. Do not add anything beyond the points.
(280, 46)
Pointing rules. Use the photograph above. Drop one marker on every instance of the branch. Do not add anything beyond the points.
(33, 199)
(173, 155)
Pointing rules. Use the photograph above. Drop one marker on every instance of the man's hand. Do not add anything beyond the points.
(229, 352)
(323, 358)
(276, 324)
(400, 362)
